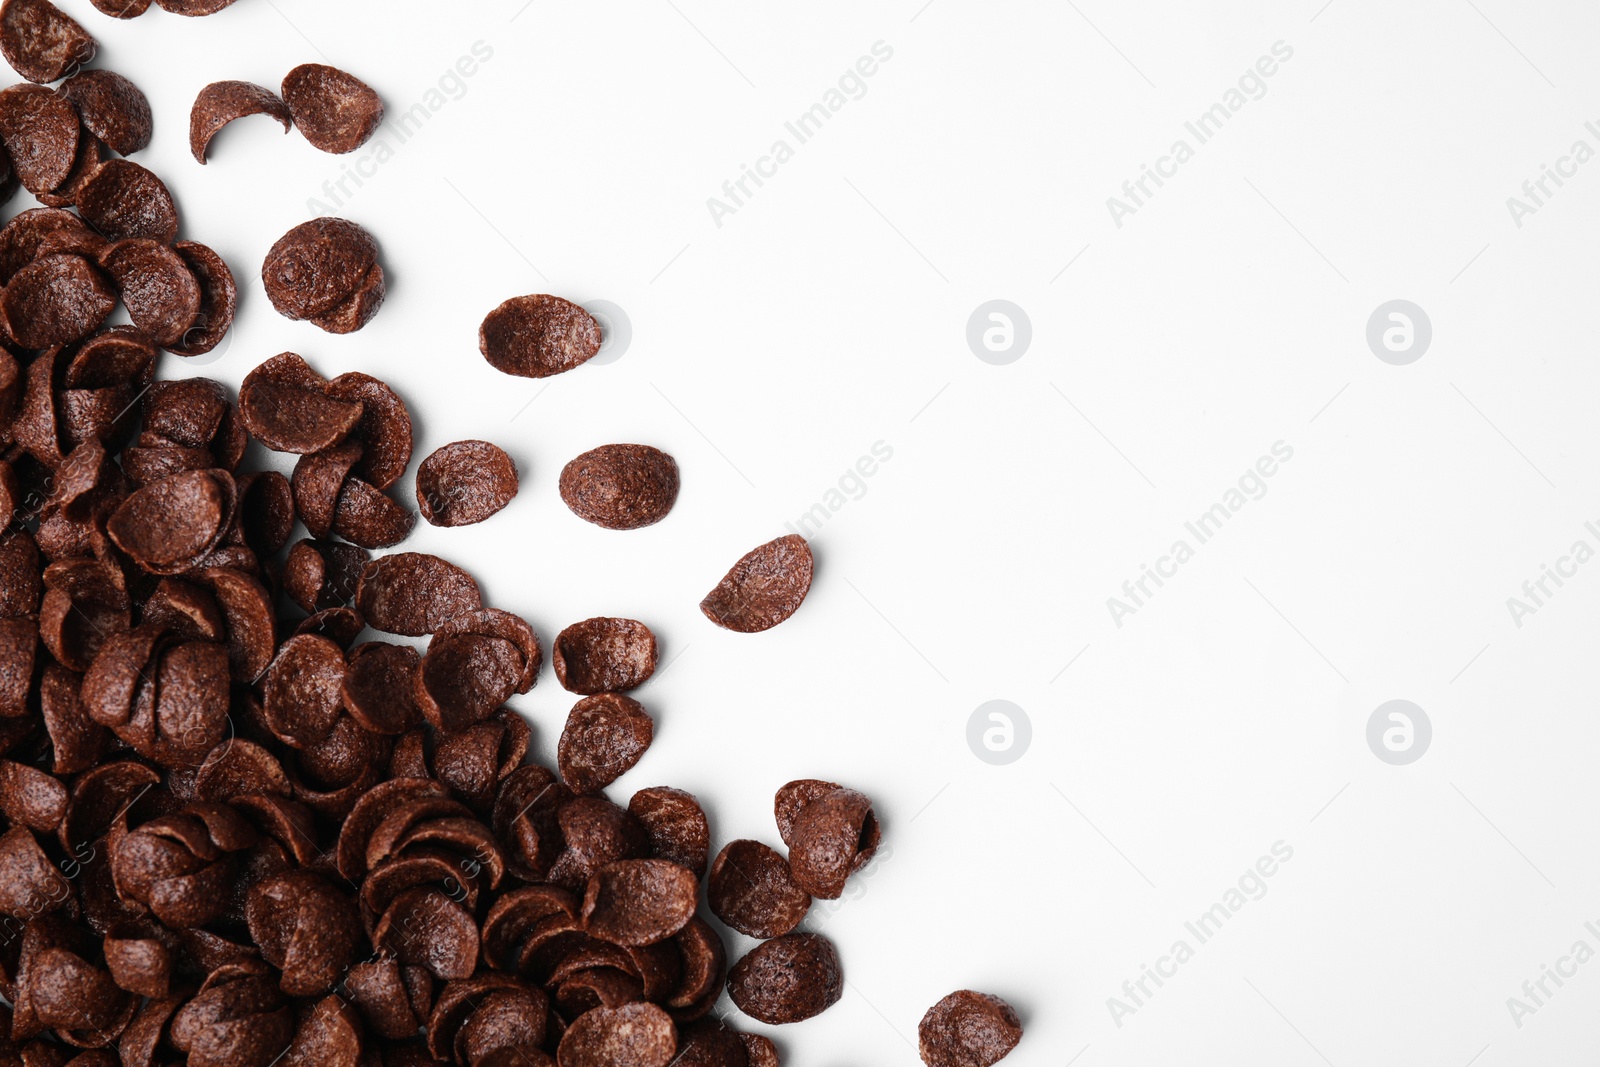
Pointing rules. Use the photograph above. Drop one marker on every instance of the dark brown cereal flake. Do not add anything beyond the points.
(792, 798)
(968, 1029)
(709, 1043)
(464, 483)
(634, 903)
(247, 607)
(759, 1050)
(604, 655)
(621, 487)
(384, 429)
(380, 994)
(56, 300)
(832, 837)
(169, 525)
(787, 979)
(283, 403)
(219, 299)
(124, 200)
(493, 622)
(221, 102)
(340, 625)
(301, 694)
(604, 737)
(595, 832)
(317, 266)
(366, 517)
(111, 357)
(414, 594)
(139, 955)
(425, 928)
(370, 812)
(316, 482)
(751, 889)
(187, 412)
(377, 691)
(112, 108)
(85, 164)
(266, 511)
(764, 588)
(525, 820)
(703, 973)
(336, 111)
(77, 743)
(327, 1034)
(41, 42)
(39, 130)
(31, 797)
(177, 865)
(632, 1035)
(537, 336)
(29, 881)
(676, 825)
(305, 927)
(158, 288)
(479, 1019)
(465, 677)
(237, 1019)
(322, 574)
(40, 230)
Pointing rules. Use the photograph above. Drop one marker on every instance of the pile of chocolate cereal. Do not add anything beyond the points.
(242, 829)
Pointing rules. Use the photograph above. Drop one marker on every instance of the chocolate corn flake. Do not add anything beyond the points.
(219, 298)
(968, 1029)
(621, 487)
(168, 526)
(831, 837)
(464, 483)
(634, 903)
(604, 737)
(632, 1035)
(538, 336)
(384, 430)
(158, 288)
(124, 200)
(222, 102)
(39, 130)
(604, 655)
(284, 404)
(676, 825)
(41, 42)
(752, 890)
(414, 594)
(112, 108)
(766, 586)
(56, 300)
(321, 267)
(336, 111)
(788, 979)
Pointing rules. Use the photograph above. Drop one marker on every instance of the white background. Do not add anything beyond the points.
(829, 313)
